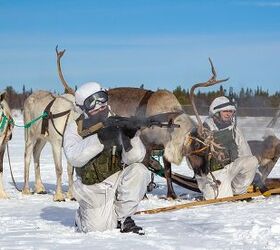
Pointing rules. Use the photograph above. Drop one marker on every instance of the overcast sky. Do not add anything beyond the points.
(158, 43)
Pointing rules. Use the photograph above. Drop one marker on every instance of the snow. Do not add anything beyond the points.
(36, 222)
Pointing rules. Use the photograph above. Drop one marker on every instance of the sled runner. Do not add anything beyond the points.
(274, 183)
(185, 181)
(191, 184)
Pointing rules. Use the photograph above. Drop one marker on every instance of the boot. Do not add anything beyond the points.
(258, 183)
(129, 226)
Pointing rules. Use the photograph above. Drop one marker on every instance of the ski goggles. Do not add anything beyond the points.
(91, 101)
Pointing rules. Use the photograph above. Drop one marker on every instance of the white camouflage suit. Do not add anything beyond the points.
(115, 198)
(235, 177)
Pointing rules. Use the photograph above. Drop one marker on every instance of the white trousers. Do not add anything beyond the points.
(235, 178)
(116, 198)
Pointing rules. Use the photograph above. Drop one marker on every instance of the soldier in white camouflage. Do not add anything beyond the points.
(110, 181)
(233, 175)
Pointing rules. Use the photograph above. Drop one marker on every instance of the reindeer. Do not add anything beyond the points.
(144, 103)
(59, 110)
(5, 135)
(270, 147)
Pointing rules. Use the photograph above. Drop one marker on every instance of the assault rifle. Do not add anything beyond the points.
(135, 123)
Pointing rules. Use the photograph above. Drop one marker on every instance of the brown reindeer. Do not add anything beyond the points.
(5, 135)
(140, 102)
(268, 152)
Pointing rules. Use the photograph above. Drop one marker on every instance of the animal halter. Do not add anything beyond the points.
(189, 142)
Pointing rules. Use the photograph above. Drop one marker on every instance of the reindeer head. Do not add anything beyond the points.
(200, 148)
(270, 148)
(200, 144)
(196, 152)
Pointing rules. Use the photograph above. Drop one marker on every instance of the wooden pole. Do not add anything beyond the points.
(211, 201)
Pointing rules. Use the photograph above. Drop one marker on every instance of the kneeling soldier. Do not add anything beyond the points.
(110, 181)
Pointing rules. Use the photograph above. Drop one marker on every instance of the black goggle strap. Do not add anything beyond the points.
(91, 101)
(225, 105)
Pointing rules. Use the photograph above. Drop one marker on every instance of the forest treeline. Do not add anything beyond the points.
(251, 102)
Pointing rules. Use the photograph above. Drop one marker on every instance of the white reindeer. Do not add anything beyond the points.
(5, 134)
(60, 110)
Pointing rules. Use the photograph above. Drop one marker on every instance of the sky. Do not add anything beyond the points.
(157, 43)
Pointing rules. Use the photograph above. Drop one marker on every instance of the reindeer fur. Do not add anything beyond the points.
(34, 141)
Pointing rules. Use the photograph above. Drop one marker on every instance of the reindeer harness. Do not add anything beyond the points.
(225, 139)
(50, 116)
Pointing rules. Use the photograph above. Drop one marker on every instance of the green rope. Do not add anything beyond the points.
(27, 125)
(3, 122)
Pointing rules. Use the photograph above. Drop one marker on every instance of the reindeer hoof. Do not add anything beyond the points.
(58, 197)
(26, 191)
(3, 195)
(70, 196)
(39, 188)
(42, 192)
(172, 196)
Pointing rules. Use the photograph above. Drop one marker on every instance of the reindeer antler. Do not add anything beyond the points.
(210, 82)
(67, 88)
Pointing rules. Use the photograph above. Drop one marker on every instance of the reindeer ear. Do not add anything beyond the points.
(2, 95)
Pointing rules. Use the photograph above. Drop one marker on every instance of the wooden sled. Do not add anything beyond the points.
(256, 147)
(272, 191)
(185, 181)
(270, 183)
(191, 183)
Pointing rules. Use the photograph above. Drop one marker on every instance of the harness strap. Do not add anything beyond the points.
(65, 127)
(57, 115)
(53, 116)
(45, 120)
(50, 116)
(142, 107)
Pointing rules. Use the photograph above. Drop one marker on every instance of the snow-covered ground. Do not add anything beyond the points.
(36, 222)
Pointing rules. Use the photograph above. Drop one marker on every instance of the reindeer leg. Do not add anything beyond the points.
(70, 171)
(56, 148)
(27, 157)
(167, 172)
(3, 194)
(39, 187)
